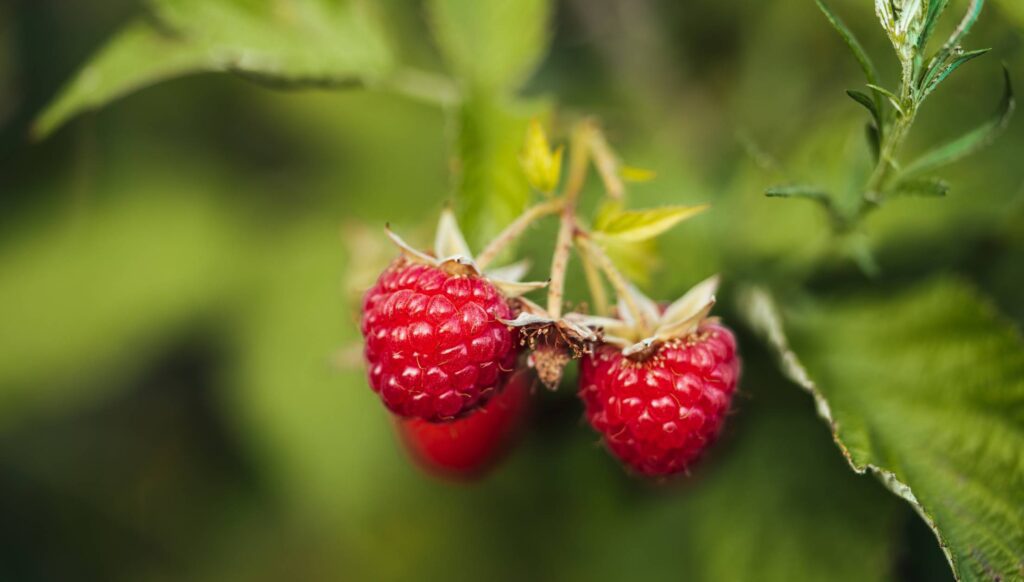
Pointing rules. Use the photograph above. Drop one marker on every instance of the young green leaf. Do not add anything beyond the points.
(970, 142)
(800, 191)
(612, 222)
(935, 10)
(925, 390)
(320, 43)
(940, 71)
(926, 187)
(868, 104)
(966, 23)
(492, 45)
(866, 65)
(893, 99)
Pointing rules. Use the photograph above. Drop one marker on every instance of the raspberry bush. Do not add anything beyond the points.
(658, 363)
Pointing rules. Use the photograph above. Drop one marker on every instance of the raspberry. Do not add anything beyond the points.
(434, 343)
(466, 448)
(659, 413)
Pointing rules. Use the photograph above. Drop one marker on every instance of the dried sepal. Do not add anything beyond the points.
(641, 326)
(553, 342)
(452, 255)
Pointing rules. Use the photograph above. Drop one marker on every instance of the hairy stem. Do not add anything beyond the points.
(579, 154)
(515, 229)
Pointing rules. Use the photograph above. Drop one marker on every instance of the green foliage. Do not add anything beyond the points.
(306, 42)
(971, 141)
(615, 223)
(106, 294)
(925, 389)
(491, 45)
(490, 185)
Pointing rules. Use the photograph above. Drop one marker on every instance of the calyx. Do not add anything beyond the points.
(452, 255)
(641, 327)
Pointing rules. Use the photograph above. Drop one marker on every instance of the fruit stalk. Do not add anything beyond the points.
(516, 228)
(578, 157)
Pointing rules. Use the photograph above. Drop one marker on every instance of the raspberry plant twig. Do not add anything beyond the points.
(579, 148)
(516, 228)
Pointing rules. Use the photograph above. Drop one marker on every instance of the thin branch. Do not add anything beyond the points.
(579, 154)
(515, 229)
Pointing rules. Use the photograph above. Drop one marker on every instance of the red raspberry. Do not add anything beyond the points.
(434, 343)
(659, 414)
(466, 448)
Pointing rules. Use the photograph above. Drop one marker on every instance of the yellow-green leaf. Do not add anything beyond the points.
(612, 222)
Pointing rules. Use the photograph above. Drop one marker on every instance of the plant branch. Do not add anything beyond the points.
(579, 154)
(515, 229)
(617, 279)
(598, 293)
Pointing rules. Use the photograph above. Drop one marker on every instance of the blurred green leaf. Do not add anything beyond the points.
(926, 390)
(490, 184)
(928, 187)
(970, 142)
(614, 222)
(870, 73)
(305, 42)
(102, 296)
(492, 45)
(868, 104)
(1014, 9)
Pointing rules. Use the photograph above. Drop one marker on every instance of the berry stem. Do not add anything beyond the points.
(597, 290)
(617, 279)
(515, 229)
(579, 154)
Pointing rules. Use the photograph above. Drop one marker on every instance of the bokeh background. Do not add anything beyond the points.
(180, 390)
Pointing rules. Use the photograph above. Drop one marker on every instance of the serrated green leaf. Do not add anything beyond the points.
(970, 142)
(315, 42)
(138, 56)
(928, 187)
(940, 71)
(492, 45)
(612, 222)
(924, 389)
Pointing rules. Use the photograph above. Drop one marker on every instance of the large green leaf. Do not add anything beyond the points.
(490, 183)
(493, 44)
(302, 42)
(925, 389)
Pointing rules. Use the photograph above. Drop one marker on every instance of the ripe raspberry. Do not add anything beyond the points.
(660, 413)
(466, 448)
(434, 343)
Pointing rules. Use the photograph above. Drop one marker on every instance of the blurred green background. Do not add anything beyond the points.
(179, 392)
